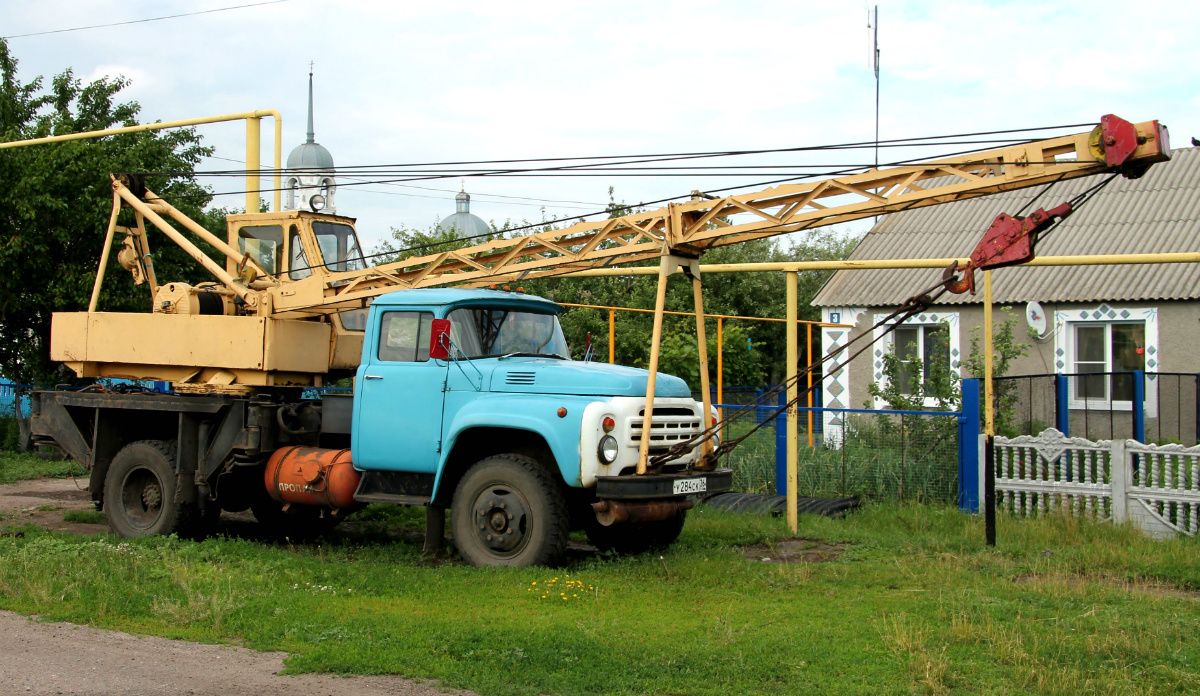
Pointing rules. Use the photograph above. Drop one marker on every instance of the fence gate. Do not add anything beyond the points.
(1155, 487)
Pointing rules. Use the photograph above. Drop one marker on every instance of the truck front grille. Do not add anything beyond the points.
(668, 427)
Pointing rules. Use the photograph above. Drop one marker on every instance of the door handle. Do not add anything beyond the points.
(372, 376)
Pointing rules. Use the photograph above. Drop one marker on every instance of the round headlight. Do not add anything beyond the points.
(316, 202)
(607, 450)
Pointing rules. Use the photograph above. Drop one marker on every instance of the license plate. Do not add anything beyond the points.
(684, 486)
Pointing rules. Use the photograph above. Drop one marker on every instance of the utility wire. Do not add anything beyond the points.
(536, 201)
(926, 141)
(142, 21)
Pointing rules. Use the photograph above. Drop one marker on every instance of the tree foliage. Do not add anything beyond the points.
(55, 204)
(1006, 347)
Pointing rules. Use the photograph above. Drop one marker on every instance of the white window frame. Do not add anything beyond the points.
(886, 344)
(1067, 321)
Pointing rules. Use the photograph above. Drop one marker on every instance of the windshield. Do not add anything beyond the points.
(484, 332)
(339, 246)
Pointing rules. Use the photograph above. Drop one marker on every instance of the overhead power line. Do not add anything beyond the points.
(536, 202)
(148, 19)
(594, 161)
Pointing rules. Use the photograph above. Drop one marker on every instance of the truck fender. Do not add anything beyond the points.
(536, 414)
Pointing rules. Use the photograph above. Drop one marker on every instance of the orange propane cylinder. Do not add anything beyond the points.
(312, 476)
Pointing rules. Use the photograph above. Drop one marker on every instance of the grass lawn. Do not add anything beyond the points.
(16, 466)
(913, 603)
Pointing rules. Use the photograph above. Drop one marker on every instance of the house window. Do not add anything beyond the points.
(1104, 350)
(927, 346)
(923, 350)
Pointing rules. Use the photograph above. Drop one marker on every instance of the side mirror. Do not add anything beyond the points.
(439, 339)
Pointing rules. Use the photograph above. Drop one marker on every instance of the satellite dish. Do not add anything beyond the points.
(1035, 316)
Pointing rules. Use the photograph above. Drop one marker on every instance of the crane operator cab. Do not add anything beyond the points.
(294, 245)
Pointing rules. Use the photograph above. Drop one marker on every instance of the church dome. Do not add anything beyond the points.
(462, 223)
(310, 155)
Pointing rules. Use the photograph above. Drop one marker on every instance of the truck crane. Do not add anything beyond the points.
(465, 397)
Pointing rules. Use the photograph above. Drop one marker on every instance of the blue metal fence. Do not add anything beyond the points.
(930, 455)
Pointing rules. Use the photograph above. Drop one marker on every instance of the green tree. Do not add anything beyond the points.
(1006, 347)
(55, 205)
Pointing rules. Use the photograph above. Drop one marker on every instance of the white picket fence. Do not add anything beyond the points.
(1155, 487)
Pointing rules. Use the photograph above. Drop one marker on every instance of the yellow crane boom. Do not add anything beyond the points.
(706, 223)
(283, 309)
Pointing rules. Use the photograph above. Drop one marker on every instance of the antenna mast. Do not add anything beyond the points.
(873, 25)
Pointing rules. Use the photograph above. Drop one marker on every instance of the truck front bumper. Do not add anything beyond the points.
(660, 486)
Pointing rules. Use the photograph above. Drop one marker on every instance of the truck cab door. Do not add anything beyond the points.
(398, 397)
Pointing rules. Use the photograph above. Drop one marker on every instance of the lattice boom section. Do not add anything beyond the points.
(1054, 473)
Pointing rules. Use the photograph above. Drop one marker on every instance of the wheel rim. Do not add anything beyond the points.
(500, 520)
(141, 498)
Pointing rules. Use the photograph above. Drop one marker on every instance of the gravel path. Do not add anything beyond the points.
(60, 658)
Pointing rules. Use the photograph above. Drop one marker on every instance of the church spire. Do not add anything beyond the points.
(310, 103)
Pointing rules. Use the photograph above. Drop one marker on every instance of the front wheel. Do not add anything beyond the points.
(508, 510)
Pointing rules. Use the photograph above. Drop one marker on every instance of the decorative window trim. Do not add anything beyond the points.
(1103, 313)
(886, 344)
(835, 381)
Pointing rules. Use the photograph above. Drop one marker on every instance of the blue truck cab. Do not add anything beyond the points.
(520, 442)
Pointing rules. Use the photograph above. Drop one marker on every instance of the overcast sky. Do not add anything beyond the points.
(421, 81)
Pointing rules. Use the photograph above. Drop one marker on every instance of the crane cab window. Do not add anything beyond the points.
(339, 246)
(404, 336)
(264, 244)
(298, 266)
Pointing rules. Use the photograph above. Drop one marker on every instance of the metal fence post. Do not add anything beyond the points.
(781, 441)
(969, 427)
(1139, 405)
(1062, 404)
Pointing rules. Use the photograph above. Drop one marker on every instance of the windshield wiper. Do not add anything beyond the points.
(528, 355)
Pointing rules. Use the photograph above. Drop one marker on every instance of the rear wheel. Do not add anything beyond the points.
(508, 510)
(139, 493)
(638, 537)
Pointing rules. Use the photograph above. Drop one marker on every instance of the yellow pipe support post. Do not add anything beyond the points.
(989, 418)
(793, 436)
(108, 242)
(612, 336)
(808, 328)
(253, 164)
(278, 163)
(665, 267)
(720, 360)
(702, 355)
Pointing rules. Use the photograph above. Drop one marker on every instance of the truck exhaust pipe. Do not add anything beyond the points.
(610, 512)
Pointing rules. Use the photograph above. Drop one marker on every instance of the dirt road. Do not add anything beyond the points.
(59, 658)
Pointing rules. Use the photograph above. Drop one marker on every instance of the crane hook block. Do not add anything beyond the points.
(1008, 242)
